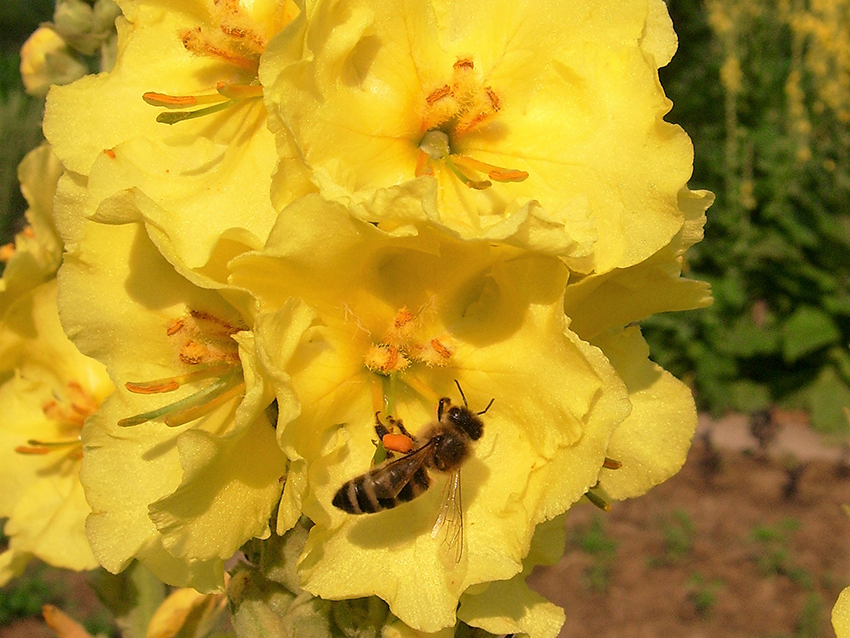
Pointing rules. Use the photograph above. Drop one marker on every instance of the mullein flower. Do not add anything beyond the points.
(35, 255)
(356, 321)
(841, 615)
(181, 466)
(537, 124)
(50, 389)
(178, 128)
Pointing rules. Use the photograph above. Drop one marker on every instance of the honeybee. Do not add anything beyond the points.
(446, 445)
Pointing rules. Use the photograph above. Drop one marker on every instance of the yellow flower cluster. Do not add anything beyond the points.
(372, 269)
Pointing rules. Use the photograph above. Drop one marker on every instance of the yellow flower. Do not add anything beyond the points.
(351, 317)
(599, 303)
(181, 466)
(510, 606)
(46, 60)
(535, 123)
(841, 615)
(206, 176)
(50, 390)
(37, 251)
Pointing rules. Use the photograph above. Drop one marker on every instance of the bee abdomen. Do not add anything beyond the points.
(360, 495)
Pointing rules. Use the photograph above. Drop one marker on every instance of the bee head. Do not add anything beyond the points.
(466, 421)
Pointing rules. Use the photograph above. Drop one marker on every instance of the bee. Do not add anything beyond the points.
(445, 445)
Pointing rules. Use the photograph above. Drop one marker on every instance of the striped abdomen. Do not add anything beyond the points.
(383, 488)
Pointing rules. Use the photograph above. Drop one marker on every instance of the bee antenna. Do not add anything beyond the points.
(462, 395)
(488, 407)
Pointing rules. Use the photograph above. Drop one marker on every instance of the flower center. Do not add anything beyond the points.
(403, 345)
(69, 412)
(207, 348)
(452, 111)
(234, 37)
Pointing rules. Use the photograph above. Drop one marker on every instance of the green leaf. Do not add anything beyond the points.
(749, 396)
(745, 339)
(807, 330)
(827, 398)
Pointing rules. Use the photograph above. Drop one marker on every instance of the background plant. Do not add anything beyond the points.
(762, 85)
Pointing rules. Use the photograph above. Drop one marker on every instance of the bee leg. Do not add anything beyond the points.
(444, 403)
(403, 430)
(381, 429)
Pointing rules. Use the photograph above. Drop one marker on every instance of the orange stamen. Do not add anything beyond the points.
(439, 94)
(423, 167)
(441, 349)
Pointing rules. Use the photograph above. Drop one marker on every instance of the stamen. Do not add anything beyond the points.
(468, 181)
(34, 447)
(239, 91)
(423, 165)
(172, 383)
(417, 385)
(611, 464)
(182, 116)
(6, 252)
(598, 501)
(182, 417)
(204, 400)
(181, 101)
(493, 172)
(439, 94)
(227, 95)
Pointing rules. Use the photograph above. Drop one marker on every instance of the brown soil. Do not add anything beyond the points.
(687, 561)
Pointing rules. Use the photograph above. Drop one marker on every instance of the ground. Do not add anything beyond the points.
(734, 546)
(730, 547)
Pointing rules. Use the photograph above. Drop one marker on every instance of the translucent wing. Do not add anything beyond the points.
(449, 523)
(391, 477)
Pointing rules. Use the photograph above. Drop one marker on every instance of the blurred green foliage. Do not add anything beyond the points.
(763, 88)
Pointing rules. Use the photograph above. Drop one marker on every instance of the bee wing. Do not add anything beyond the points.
(390, 478)
(449, 523)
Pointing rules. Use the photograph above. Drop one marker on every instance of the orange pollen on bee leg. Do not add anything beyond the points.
(397, 443)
